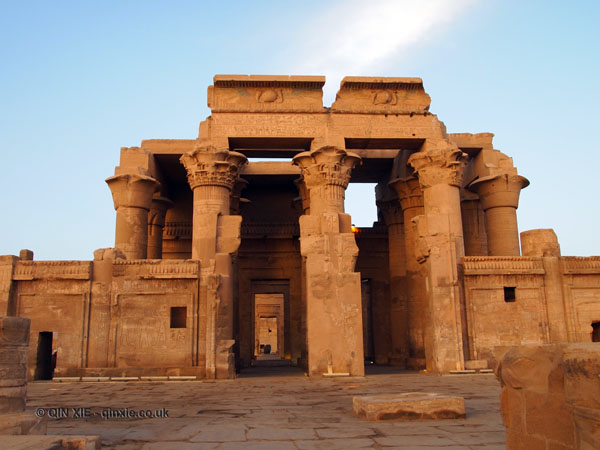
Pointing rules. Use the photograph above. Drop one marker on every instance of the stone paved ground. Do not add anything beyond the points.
(274, 409)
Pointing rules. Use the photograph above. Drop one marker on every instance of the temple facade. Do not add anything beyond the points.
(234, 248)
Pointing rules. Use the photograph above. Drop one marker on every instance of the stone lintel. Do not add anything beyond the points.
(409, 406)
(270, 168)
(471, 143)
(168, 146)
(273, 81)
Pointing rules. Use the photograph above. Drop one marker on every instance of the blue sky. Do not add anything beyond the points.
(81, 79)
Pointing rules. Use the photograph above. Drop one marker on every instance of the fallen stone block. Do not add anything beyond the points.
(409, 406)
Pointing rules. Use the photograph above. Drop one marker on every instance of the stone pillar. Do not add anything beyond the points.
(473, 219)
(7, 286)
(333, 291)
(156, 223)
(132, 197)
(390, 208)
(411, 201)
(439, 167)
(499, 196)
(212, 174)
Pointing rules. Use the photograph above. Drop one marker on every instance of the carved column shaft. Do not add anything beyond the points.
(132, 197)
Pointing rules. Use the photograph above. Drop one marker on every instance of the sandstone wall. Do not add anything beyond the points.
(529, 300)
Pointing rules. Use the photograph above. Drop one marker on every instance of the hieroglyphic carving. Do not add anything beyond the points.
(58, 270)
(479, 265)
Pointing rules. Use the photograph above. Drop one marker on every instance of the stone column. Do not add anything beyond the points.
(411, 201)
(212, 174)
(390, 208)
(499, 196)
(439, 167)
(473, 220)
(132, 197)
(156, 223)
(333, 291)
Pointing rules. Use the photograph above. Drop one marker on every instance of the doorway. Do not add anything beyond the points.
(45, 360)
(595, 331)
(269, 334)
(367, 319)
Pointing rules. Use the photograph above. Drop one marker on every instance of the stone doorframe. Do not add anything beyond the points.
(273, 286)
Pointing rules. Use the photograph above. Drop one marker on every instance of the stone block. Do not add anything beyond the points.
(409, 406)
(26, 255)
(476, 364)
(22, 423)
(550, 396)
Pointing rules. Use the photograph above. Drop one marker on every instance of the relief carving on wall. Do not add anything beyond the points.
(269, 96)
(385, 98)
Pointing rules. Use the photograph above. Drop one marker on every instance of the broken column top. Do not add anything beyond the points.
(383, 95)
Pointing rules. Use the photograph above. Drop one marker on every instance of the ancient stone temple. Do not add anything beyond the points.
(223, 260)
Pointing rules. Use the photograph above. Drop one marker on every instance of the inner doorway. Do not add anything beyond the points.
(270, 323)
(596, 332)
(269, 335)
(44, 367)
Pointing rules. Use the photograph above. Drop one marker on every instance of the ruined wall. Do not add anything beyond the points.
(112, 316)
(55, 295)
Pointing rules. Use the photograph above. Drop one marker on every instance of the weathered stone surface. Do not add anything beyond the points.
(409, 406)
(551, 396)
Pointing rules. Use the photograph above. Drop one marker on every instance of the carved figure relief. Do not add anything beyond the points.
(269, 96)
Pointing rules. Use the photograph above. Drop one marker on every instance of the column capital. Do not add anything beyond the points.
(132, 190)
(207, 165)
(409, 192)
(326, 166)
(440, 165)
(499, 190)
